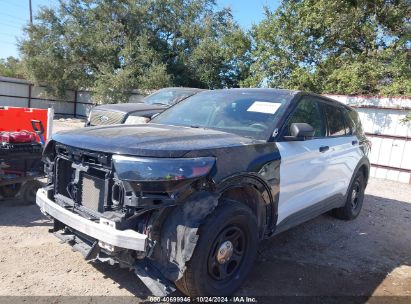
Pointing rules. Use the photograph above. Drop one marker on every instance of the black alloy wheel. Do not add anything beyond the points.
(227, 253)
(355, 199)
(224, 254)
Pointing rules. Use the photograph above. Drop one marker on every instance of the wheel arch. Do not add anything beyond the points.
(365, 169)
(363, 166)
(254, 192)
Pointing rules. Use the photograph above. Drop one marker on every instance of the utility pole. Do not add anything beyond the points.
(31, 13)
(30, 85)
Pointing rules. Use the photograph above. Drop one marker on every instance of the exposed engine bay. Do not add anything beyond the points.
(96, 188)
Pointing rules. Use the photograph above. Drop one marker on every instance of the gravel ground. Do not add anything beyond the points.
(323, 257)
(63, 124)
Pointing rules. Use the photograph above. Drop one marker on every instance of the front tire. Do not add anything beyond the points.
(355, 198)
(224, 254)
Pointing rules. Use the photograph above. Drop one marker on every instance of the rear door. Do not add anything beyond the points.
(344, 153)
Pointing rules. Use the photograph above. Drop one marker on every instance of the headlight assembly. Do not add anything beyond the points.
(134, 120)
(161, 169)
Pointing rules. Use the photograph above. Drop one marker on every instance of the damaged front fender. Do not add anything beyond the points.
(179, 234)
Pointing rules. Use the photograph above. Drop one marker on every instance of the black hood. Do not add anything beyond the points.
(150, 140)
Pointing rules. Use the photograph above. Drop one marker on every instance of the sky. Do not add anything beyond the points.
(14, 15)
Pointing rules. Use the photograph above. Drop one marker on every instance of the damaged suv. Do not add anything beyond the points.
(185, 199)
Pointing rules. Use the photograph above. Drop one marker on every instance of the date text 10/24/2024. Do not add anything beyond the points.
(238, 299)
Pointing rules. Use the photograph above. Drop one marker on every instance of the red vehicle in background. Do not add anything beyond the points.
(23, 132)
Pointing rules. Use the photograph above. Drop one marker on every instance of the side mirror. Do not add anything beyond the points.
(300, 131)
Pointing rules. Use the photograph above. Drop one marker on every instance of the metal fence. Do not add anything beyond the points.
(381, 118)
(21, 93)
(391, 139)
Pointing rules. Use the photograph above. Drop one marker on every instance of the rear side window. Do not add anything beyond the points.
(335, 121)
(349, 123)
(354, 121)
(307, 111)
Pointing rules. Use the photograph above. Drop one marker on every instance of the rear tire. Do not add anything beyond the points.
(355, 198)
(212, 270)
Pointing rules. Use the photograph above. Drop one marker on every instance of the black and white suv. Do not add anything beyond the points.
(185, 199)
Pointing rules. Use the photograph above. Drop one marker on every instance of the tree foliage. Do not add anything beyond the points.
(334, 46)
(111, 47)
(323, 46)
(11, 67)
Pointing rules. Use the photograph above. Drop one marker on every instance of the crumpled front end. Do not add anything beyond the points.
(127, 210)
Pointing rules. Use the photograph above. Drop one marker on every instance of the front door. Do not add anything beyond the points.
(304, 172)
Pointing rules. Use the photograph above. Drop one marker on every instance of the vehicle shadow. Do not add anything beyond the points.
(330, 257)
(125, 278)
(322, 257)
(16, 212)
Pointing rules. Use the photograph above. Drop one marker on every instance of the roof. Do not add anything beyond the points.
(259, 90)
(330, 100)
(182, 88)
(291, 92)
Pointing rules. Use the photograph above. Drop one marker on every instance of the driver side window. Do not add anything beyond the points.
(307, 111)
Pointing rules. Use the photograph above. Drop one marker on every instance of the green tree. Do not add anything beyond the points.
(334, 46)
(111, 47)
(11, 67)
(407, 118)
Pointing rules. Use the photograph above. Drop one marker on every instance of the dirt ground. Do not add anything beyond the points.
(370, 256)
(63, 124)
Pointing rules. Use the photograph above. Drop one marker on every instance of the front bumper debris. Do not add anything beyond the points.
(103, 232)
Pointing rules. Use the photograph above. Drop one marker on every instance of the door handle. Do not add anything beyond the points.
(324, 148)
(354, 142)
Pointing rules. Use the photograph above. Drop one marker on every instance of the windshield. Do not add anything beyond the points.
(168, 97)
(251, 113)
